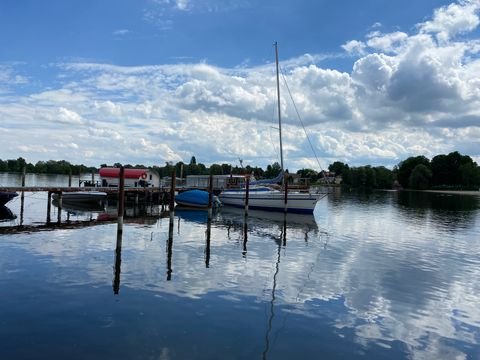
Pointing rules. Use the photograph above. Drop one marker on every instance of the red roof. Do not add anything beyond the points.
(129, 173)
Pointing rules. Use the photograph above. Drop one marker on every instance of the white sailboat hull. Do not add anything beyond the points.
(303, 203)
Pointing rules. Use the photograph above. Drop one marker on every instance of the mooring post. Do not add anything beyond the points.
(172, 191)
(210, 196)
(121, 200)
(70, 178)
(59, 214)
(22, 197)
(247, 190)
(286, 194)
(49, 206)
(93, 178)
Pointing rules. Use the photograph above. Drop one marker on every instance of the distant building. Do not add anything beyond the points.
(109, 177)
(219, 181)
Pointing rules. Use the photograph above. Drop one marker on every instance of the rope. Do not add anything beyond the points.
(300, 119)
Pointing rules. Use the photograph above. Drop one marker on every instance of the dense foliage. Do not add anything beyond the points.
(452, 171)
(44, 167)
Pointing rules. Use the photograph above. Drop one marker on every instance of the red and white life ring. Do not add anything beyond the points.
(144, 176)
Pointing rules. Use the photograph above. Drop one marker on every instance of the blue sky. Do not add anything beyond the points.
(150, 81)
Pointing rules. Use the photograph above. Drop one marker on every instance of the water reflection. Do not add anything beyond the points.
(447, 212)
(391, 283)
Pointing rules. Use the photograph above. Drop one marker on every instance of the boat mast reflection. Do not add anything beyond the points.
(281, 243)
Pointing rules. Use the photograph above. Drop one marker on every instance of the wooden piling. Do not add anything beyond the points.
(247, 190)
(49, 206)
(210, 197)
(70, 178)
(59, 213)
(22, 196)
(172, 191)
(286, 193)
(121, 200)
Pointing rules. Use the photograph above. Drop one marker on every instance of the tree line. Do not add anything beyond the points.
(44, 167)
(452, 171)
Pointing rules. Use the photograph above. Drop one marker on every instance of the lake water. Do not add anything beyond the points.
(391, 275)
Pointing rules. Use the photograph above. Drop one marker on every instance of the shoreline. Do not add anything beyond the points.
(457, 192)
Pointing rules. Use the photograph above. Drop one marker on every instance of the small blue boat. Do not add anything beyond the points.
(196, 198)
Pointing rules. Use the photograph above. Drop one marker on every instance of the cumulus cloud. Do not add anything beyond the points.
(454, 19)
(406, 94)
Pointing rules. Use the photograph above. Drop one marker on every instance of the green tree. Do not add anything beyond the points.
(385, 177)
(406, 167)
(420, 177)
(273, 170)
(338, 167)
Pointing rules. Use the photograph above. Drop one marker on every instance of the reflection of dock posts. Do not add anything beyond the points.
(286, 192)
(22, 197)
(170, 226)
(170, 246)
(247, 191)
(49, 206)
(209, 221)
(121, 200)
(207, 247)
(245, 234)
(118, 263)
(284, 235)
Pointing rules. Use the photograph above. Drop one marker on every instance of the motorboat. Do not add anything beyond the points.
(81, 197)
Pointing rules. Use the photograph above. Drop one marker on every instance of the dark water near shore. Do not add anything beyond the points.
(385, 275)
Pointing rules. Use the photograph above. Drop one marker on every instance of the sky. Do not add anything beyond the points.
(367, 82)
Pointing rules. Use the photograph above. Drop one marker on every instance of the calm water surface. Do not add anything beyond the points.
(386, 275)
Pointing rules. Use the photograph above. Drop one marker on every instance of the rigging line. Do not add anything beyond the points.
(300, 118)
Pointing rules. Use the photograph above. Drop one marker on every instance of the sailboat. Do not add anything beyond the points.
(263, 197)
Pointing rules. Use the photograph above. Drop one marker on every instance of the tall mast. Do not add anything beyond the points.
(279, 114)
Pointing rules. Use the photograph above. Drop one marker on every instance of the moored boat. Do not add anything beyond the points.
(270, 198)
(196, 198)
(82, 196)
(6, 196)
(267, 199)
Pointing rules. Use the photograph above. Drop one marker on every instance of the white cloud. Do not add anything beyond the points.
(400, 84)
(454, 19)
(121, 32)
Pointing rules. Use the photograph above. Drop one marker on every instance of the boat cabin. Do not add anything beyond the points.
(133, 177)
